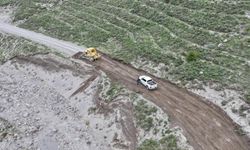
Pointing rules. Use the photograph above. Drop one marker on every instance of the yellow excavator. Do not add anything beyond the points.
(90, 54)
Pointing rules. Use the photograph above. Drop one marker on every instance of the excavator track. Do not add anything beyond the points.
(78, 55)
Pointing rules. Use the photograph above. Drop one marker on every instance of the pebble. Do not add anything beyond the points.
(25, 114)
(54, 130)
(2, 109)
(37, 119)
(27, 105)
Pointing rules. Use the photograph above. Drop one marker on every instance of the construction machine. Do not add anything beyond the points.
(90, 54)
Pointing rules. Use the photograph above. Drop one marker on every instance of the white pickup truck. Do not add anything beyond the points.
(147, 82)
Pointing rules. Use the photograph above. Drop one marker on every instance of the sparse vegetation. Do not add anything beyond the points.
(12, 46)
(166, 143)
(143, 113)
(247, 97)
(239, 131)
(223, 103)
(5, 129)
(92, 110)
(113, 91)
(149, 145)
(6, 2)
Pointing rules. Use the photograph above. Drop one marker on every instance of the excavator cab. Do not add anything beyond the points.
(90, 53)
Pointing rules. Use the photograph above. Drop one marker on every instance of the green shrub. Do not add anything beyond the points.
(193, 56)
(247, 97)
(166, 143)
(143, 113)
(113, 92)
(149, 145)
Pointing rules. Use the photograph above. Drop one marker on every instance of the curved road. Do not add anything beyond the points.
(206, 127)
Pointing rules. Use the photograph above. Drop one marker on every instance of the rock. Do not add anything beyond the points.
(28, 105)
(26, 114)
(54, 130)
(37, 119)
(2, 109)
(34, 129)
(220, 45)
(15, 92)
(89, 142)
(9, 100)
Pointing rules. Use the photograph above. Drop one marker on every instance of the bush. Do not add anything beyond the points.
(167, 142)
(149, 145)
(247, 97)
(192, 56)
(143, 112)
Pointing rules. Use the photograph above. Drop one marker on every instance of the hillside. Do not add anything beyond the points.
(200, 45)
(203, 40)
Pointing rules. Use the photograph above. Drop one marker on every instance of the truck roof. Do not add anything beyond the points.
(146, 77)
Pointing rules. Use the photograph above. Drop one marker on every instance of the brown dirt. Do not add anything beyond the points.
(205, 125)
(128, 126)
(85, 84)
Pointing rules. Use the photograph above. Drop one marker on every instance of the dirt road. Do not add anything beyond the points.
(205, 127)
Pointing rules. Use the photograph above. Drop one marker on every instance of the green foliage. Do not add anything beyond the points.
(170, 142)
(149, 145)
(226, 7)
(113, 91)
(1, 55)
(13, 46)
(202, 71)
(6, 2)
(247, 97)
(143, 114)
(166, 143)
(239, 131)
(193, 56)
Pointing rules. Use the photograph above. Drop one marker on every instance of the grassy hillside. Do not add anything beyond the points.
(208, 40)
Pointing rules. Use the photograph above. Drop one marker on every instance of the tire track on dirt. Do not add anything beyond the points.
(205, 125)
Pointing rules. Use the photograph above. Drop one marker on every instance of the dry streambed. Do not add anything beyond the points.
(45, 105)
